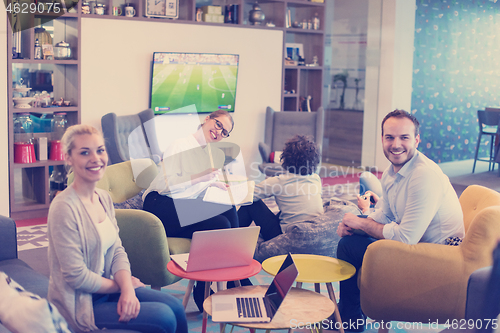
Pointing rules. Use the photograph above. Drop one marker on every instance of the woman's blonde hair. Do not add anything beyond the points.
(68, 138)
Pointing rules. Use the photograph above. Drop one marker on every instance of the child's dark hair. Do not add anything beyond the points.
(300, 155)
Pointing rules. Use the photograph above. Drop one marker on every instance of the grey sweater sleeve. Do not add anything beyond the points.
(67, 235)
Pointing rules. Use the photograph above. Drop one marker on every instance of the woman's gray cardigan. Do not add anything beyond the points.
(75, 256)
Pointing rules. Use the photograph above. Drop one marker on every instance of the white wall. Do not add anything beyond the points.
(4, 147)
(116, 68)
(392, 89)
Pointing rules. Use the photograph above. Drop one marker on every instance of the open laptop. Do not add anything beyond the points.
(256, 308)
(221, 248)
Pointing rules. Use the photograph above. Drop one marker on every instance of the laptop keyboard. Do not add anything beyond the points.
(248, 307)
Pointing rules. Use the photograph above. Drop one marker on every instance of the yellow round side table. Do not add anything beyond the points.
(315, 269)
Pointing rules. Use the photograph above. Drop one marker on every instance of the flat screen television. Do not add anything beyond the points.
(205, 80)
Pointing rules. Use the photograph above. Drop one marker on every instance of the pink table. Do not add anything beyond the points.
(213, 275)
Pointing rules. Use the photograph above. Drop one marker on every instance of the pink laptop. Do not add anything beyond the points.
(222, 248)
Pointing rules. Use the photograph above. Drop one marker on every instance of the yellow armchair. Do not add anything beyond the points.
(422, 282)
(142, 233)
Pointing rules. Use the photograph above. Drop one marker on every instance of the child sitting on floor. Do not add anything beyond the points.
(297, 192)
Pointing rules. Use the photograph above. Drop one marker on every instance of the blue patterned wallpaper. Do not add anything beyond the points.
(456, 71)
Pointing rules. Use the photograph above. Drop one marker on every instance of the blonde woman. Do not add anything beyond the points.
(90, 279)
(189, 167)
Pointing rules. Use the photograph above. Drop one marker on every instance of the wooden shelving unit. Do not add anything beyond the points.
(29, 183)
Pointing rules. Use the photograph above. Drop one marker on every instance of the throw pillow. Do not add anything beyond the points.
(275, 156)
(133, 203)
(22, 311)
(453, 241)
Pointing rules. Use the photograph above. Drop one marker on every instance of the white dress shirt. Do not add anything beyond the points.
(418, 204)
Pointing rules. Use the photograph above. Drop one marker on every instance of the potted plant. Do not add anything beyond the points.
(343, 78)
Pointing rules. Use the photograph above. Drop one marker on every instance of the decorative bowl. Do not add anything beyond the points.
(23, 102)
(21, 91)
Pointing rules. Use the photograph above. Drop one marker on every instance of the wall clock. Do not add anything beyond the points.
(162, 8)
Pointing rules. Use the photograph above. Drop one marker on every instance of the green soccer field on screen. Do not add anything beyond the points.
(206, 80)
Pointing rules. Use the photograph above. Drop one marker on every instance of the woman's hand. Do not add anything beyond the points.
(220, 185)
(205, 176)
(136, 283)
(128, 306)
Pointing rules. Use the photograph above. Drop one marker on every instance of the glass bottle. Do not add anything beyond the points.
(45, 99)
(38, 50)
(56, 182)
(59, 124)
(23, 128)
(315, 22)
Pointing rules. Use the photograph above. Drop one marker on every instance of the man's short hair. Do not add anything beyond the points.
(402, 114)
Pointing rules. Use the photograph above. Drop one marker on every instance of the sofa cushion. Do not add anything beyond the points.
(23, 274)
(318, 236)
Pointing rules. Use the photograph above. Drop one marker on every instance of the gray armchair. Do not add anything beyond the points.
(130, 137)
(483, 299)
(281, 126)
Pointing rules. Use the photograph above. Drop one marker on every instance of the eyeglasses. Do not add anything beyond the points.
(223, 132)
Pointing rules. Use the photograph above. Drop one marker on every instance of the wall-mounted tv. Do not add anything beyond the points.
(206, 80)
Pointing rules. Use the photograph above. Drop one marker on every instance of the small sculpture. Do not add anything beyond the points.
(58, 103)
(301, 61)
(256, 15)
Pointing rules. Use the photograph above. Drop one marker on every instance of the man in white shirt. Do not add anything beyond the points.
(418, 205)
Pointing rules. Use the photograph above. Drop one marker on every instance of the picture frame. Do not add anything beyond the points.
(294, 50)
(48, 51)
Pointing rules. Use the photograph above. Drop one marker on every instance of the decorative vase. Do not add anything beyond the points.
(43, 36)
(256, 15)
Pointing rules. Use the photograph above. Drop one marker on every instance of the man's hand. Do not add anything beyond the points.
(366, 199)
(353, 221)
(343, 230)
(363, 202)
(368, 225)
